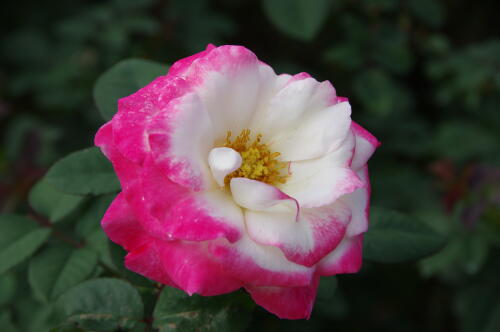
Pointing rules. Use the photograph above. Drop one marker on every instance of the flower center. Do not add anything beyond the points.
(258, 162)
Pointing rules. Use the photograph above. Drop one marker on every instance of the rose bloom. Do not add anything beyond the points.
(233, 176)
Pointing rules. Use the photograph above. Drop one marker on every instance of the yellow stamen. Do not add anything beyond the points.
(259, 163)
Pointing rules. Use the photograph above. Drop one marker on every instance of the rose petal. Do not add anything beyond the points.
(321, 181)
(205, 216)
(260, 196)
(187, 265)
(318, 134)
(317, 232)
(346, 258)
(366, 144)
(227, 80)
(359, 203)
(259, 265)
(180, 138)
(286, 302)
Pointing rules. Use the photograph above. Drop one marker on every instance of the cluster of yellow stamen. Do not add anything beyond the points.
(258, 162)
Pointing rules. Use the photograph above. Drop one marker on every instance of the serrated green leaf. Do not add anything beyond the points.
(123, 79)
(393, 238)
(90, 220)
(301, 19)
(84, 172)
(101, 304)
(19, 238)
(52, 203)
(58, 269)
(177, 311)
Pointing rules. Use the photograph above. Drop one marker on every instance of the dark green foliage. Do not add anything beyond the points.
(84, 172)
(176, 311)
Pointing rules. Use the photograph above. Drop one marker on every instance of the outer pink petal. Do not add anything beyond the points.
(187, 264)
(286, 302)
(121, 227)
(346, 258)
(127, 171)
(259, 265)
(227, 79)
(135, 112)
(317, 232)
(180, 137)
(366, 144)
(180, 67)
(168, 211)
(203, 217)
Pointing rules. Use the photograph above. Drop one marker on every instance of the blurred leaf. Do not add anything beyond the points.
(84, 172)
(345, 55)
(19, 238)
(123, 79)
(391, 49)
(177, 311)
(379, 93)
(57, 269)
(393, 238)
(8, 285)
(90, 219)
(102, 304)
(6, 322)
(430, 12)
(51, 203)
(479, 308)
(462, 141)
(301, 19)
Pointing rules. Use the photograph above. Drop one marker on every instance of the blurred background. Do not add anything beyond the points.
(422, 75)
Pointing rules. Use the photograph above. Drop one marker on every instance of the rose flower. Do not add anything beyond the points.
(233, 176)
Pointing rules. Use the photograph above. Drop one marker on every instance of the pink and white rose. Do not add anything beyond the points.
(233, 176)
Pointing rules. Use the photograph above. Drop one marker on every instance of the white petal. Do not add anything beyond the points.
(259, 196)
(223, 161)
(321, 181)
(316, 135)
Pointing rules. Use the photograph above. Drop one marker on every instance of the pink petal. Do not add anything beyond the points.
(286, 302)
(317, 232)
(346, 258)
(259, 265)
(227, 79)
(136, 110)
(122, 227)
(205, 216)
(187, 264)
(366, 144)
(180, 67)
(180, 138)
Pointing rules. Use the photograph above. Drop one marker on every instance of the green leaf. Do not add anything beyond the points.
(6, 322)
(430, 12)
(19, 238)
(90, 220)
(8, 285)
(84, 172)
(393, 238)
(52, 203)
(123, 79)
(177, 311)
(58, 269)
(101, 304)
(301, 19)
